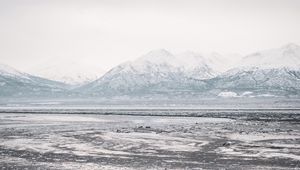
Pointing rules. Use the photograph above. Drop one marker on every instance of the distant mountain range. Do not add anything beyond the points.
(160, 74)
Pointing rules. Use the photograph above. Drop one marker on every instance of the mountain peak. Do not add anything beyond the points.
(158, 52)
(156, 56)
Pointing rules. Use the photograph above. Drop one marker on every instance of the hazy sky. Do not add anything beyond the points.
(108, 32)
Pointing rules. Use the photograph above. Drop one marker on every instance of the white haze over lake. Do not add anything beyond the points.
(106, 33)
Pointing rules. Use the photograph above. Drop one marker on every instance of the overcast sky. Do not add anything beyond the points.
(108, 32)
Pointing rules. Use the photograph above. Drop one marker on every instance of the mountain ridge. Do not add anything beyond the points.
(159, 73)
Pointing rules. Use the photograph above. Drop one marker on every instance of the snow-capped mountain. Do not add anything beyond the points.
(270, 72)
(191, 64)
(189, 73)
(14, 83)
(158, 70)
(69, 72)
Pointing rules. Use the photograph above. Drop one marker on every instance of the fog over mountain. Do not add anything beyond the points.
(67, 71)
(286, 56)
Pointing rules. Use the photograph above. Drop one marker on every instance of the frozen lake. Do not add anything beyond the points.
(231, 139)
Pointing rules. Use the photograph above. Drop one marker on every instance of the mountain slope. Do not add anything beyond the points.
(276, 81)
(14, 83)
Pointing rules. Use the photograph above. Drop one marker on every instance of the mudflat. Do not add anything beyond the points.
(211, 140)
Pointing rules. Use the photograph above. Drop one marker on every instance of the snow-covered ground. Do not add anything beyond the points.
(93, 141)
